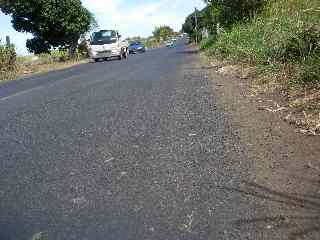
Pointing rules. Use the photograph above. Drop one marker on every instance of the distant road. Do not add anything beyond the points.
(136, 149)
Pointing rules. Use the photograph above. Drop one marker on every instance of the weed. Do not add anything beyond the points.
(206, 43)
(286, 33)
(7, 61)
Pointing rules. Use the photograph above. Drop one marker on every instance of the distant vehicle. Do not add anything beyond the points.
(171, 44)
(107, 44)
(136, 47)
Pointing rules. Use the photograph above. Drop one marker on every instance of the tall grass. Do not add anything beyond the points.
(286, 32)
(206, 43)
(150, 42)
(7, 61)
(12, 65)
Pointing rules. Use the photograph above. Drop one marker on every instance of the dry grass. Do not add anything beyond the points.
(43, 68)
(25, 70)
(7, 61)
(305, 112)
(309, 124)
(298, 107)
(12, 66)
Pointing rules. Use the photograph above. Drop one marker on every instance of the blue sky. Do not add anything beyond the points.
(130, 17)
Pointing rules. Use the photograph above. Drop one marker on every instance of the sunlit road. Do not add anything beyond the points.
(135, 149)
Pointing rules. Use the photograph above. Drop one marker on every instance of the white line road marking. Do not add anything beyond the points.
(35, 88)
(21, 93)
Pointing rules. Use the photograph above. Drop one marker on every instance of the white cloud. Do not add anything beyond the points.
(132, 18)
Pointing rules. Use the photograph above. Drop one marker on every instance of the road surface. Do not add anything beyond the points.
(137, 149)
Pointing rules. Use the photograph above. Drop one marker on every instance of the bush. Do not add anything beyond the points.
(207, 43)
(300, 45)
(8, 59)
(55, 56)
(287, 31)
(243, 43)
(310, 72)
(150, 43)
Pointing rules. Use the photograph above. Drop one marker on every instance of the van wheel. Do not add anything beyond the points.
(121, 56)
(126, 54)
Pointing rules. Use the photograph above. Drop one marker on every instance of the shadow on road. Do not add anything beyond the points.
(192, 51)
(199, 69)
(308, 217)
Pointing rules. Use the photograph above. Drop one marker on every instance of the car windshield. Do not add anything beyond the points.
(135, 43)
(104, 37)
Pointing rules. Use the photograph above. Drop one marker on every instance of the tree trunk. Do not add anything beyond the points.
(73, 49)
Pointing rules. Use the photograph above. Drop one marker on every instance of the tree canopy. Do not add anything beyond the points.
(163, 33)
(53, 23)
(236, 10)
(222, 12)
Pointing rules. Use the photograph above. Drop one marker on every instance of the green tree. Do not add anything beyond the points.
(163, 33)
(231, 11)
(203, 21)
(221, 12)
(53, 23)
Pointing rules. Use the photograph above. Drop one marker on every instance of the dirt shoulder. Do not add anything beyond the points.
(287, 163)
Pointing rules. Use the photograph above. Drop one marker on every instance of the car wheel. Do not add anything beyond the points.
(96, 60)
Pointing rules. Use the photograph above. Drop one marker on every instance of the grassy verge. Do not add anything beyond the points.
(282, 44)
(12, 66)
(8, 62)
(47, 62)
(286, 34)
(151, 43)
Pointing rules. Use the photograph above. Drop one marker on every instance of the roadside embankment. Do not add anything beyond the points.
(280, 48)
(266, 71)
(287, 167)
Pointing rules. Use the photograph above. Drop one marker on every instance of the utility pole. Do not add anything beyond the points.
(8, 42)
(196, 23)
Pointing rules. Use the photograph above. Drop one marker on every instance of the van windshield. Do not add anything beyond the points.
(104, 37)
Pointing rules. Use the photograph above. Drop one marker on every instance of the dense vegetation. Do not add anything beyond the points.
(12, 65)
(7, 59)
(221, 13)
(163, 33)
(160, 34)
(274, 35)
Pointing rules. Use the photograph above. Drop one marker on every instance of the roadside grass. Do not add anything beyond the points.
(282, 45)
(47, 67)
(286, 34)
(150, 43)
(8, 61)
(207, 43)
(26, 65)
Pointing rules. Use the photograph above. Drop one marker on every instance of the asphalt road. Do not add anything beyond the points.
(134, 149)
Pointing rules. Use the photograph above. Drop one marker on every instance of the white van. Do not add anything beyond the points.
(107, 44)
